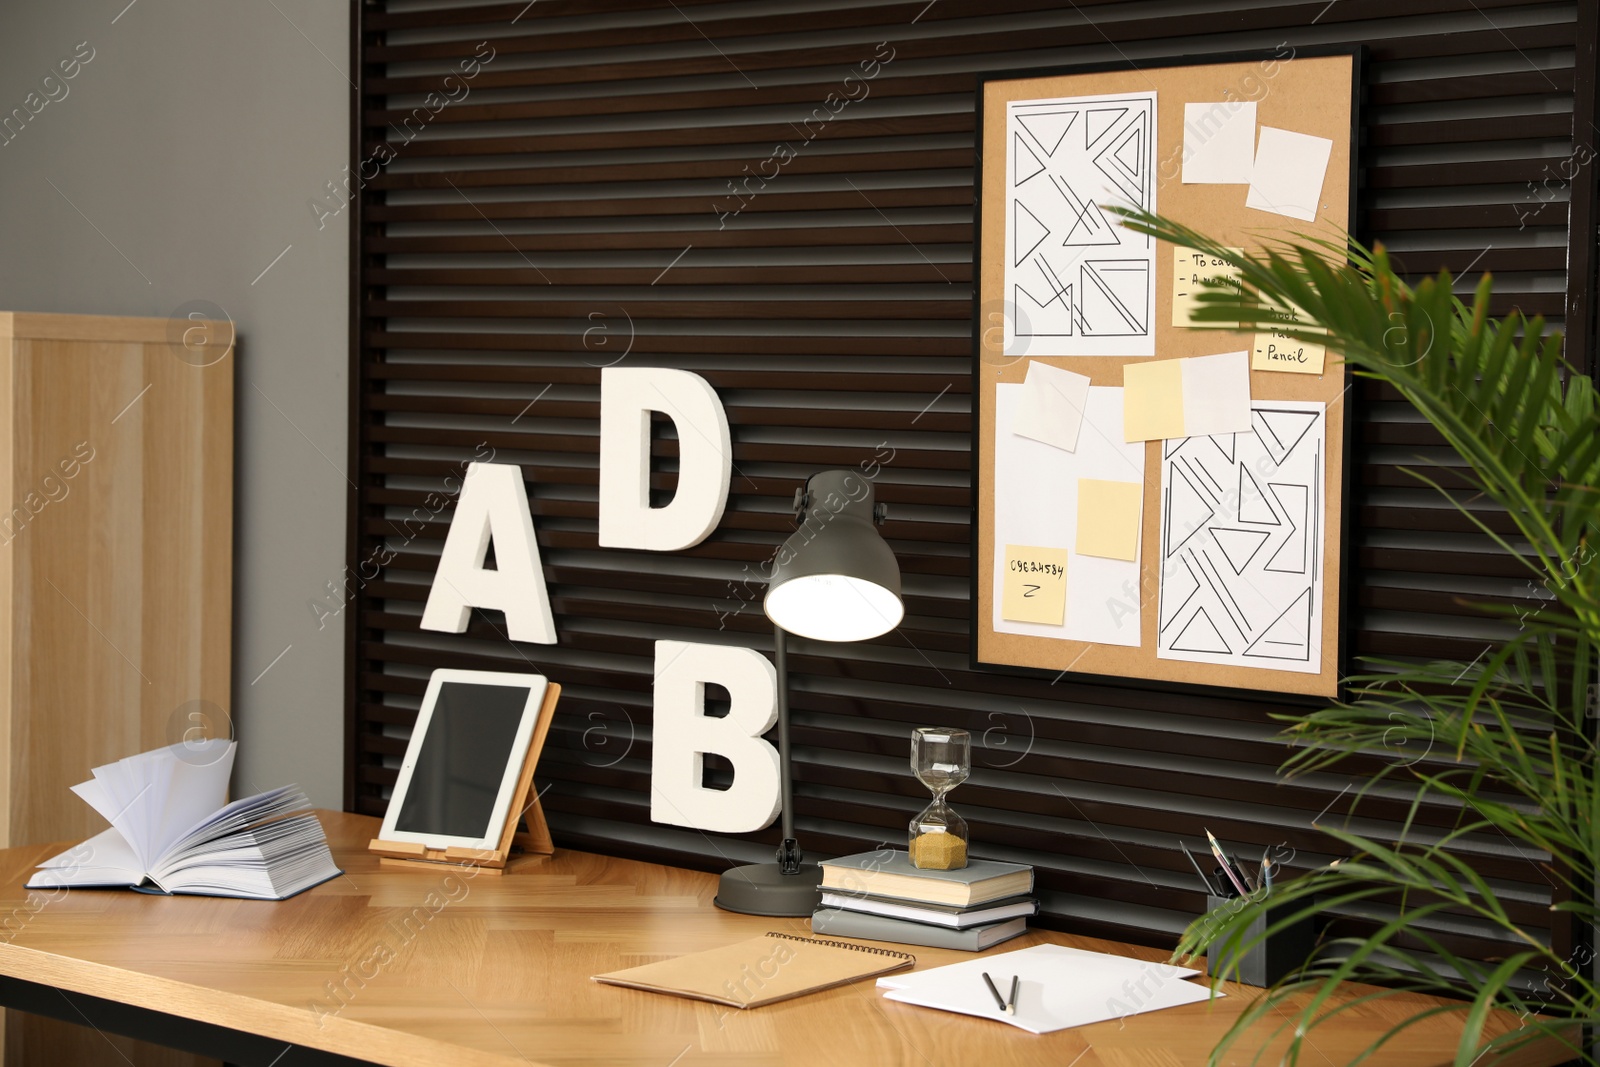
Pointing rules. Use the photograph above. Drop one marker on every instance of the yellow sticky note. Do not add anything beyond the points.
(1152, 400)
(1191, 269)
(1035, 588)
(1108, 518)
(1276, 351)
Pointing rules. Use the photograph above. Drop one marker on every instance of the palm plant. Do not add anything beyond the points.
(1512, 751)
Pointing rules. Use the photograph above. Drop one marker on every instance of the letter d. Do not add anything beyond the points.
(705, 458)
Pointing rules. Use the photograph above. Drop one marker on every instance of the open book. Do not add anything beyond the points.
(171, 833)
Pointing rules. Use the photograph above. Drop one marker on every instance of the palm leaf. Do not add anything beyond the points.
(1500, 745)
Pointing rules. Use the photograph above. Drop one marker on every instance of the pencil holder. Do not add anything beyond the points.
(1266, 961)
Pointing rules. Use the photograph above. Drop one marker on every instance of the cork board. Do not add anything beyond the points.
(1230, 527)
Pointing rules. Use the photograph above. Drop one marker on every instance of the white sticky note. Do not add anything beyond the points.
(1288, 172)
(1219, 142)
(1216, 394)
(1051, 409)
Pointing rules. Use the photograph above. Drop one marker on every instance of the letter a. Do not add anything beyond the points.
(493, 505)
(683, 734)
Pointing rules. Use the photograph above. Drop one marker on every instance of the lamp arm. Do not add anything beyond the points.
(789, 854)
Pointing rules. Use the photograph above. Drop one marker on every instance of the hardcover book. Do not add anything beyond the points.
(889, 873)
(839, 923)
(171, 832)
(934, 914)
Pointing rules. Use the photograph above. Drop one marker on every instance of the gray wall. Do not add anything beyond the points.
(189, 147)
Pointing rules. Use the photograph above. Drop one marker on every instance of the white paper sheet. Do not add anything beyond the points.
(1216, 394)
(1219, 142)
(1056, 991)
(1100, 963)
(1242, 528)
(1076, 283)
(1036, 503)
(1288, 172)
(1051, 409)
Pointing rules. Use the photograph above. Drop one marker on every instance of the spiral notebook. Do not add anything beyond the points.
(762, 970)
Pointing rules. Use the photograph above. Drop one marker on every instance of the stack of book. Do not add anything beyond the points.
(880, 896)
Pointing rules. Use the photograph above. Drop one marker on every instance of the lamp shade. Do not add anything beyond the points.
(835, 578)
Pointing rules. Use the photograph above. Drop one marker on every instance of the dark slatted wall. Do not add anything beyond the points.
(575, 206)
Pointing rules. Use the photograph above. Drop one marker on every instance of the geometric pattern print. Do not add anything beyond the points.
(1242, 527)
(1080, 283)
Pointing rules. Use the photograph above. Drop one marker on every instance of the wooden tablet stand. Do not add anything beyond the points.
(525, 807)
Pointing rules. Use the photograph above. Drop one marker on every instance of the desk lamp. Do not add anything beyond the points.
(834, 579)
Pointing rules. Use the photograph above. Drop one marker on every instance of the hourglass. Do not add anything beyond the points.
(941, 759)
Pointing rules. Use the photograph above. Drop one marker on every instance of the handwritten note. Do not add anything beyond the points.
(1191, 270)
(1035, 588)
(1277, 351)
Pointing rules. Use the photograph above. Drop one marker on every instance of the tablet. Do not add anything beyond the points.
(464, 759)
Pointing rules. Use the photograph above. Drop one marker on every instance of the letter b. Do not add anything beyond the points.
(683, 734)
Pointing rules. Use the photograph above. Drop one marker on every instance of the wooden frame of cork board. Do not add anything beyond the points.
(1240, 537)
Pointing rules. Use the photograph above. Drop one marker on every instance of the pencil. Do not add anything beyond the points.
(1227, 868)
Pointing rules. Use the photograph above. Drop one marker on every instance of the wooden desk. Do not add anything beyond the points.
(411, 967)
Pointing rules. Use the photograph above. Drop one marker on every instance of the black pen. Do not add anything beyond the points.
(1011, 1008)
(998, 999)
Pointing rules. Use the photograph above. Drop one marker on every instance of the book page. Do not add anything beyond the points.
(154, 797)
(105, 859)
(198, 787)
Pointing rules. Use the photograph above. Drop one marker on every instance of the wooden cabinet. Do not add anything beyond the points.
(116, 542)
(116, 579)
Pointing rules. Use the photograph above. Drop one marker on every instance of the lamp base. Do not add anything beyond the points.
(763, 889)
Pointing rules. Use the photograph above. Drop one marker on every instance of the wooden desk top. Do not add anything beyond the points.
(416, 967)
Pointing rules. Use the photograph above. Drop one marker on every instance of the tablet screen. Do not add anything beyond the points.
(463, 756)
